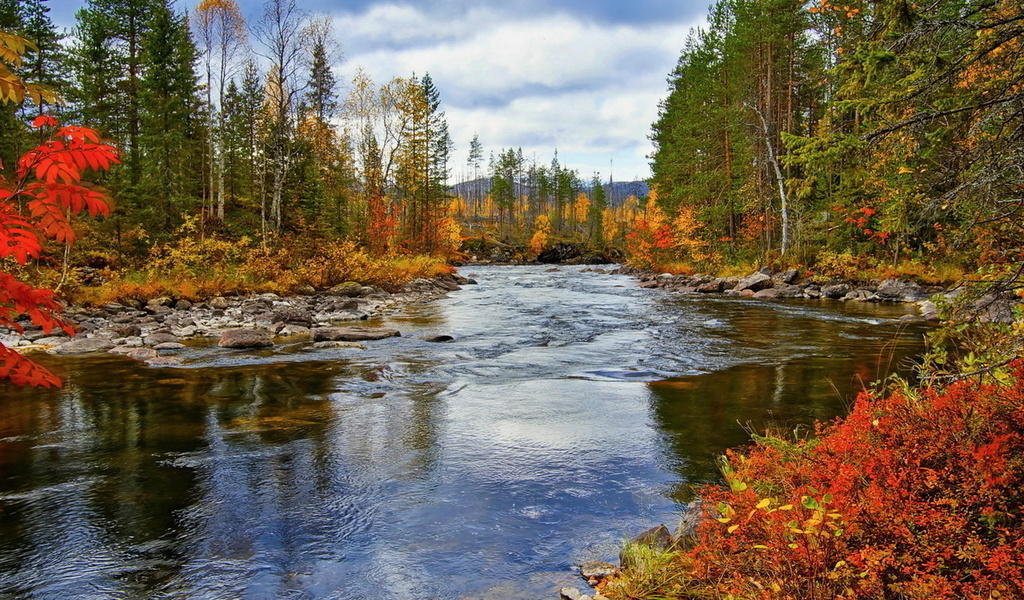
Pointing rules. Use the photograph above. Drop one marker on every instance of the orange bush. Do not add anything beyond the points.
(910, 496)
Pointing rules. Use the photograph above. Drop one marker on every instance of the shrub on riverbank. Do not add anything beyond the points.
(916, 495)
(196, 268)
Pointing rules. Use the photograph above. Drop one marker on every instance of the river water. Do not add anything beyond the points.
(572, 411)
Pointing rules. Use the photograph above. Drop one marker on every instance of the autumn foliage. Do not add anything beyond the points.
(914, 496)
(36, 206)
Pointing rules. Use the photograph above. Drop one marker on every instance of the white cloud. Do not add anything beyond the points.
(590, 89)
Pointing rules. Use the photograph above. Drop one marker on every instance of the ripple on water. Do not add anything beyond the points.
(570, 412)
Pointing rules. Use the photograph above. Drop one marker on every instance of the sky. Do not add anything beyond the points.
(582, 76)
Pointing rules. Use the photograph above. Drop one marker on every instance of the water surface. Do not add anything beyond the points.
(571, 411)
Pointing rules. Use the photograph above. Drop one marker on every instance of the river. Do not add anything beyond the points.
(571, 411)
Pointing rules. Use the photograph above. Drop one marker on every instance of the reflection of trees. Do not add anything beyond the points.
(700, 417)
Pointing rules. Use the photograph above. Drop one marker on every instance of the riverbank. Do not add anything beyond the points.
(915, 494)
(154, 331)
(766, 284)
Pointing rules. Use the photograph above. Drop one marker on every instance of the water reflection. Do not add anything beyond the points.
(571, 411)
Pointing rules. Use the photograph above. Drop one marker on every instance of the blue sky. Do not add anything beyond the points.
(585, 76)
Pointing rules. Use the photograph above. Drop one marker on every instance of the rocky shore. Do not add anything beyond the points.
(153, 332)
(768, 285)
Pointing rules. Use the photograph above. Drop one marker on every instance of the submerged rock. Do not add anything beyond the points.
(353, 334)
(245, 338)
(437, 339)
(331, 345)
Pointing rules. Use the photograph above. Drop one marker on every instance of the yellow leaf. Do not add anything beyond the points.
(733, 528)
(764, 503)
(786, 507)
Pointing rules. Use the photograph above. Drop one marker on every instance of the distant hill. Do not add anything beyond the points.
(617, 192)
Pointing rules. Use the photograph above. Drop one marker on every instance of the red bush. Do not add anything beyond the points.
(907, 497)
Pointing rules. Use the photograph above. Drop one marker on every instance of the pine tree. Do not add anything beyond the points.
(169, 94)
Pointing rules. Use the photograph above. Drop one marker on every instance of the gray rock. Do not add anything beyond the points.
(163, 361)
(161, 301)
(292, 329)
(159, 338)
(292, 315)
(596, 569)
(349, 289)
(858, 296)
(767, 294)
(85, 346)
(836, 291)
(329, 345)
(245, 338)
(787, 277)
(53, 340)
(305, 290)
(143, 354)
(659, 538)
(894, 290)
(186, 331)
(183, 304)
(353, 334)
(716, 286)
(219, 303)
(568, 593)
(127, 331)
(755, 283)
(169, 346)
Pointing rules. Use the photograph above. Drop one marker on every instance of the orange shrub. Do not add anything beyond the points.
(919, 497)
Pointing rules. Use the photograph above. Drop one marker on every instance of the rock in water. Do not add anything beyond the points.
(597, 570)
(658, 538)
(755, 283)
(245, 338)
(349, 289)
(438, 339)
(85, 346)
(353, 334)
(568, 593)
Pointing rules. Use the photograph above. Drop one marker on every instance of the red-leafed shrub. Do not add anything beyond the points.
(912, 496)
(36, 206)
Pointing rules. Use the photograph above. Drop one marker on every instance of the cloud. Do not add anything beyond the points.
(542, 81)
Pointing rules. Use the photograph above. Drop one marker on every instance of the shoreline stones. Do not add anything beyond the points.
(152, 331)
(764, 285)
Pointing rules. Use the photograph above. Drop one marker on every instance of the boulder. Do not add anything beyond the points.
(353, 334)
(649, 285)
(349, 289)
(437, 339)
(658, 538)
(292, 315)
(596, 570)
(126, 331)
(767, 294)
(789, 291)
(161, 301)
(894, 290)
(159, 338)
(245, 338)
(219, 303)
(168, 346)
(836, 291)
(85, 346)
(787, 277)
(305, 290)
(560, 253)
(755, 282)
(716, 286)
(182, 304)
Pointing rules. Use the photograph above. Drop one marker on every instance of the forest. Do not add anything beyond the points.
(157, 157)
